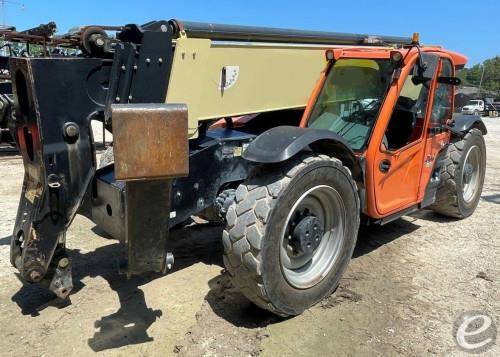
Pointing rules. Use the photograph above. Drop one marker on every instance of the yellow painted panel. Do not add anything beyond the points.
(259, 77)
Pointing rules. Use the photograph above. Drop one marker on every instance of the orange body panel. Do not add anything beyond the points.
(388, 193)
(435, 143)
(411, 166)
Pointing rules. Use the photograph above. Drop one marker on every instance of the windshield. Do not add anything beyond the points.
(473, 102)
(350, 99)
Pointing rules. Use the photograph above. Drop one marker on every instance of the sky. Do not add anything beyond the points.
(468, 27)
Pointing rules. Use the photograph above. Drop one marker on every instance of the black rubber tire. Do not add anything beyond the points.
(252, 236)
(449, 198)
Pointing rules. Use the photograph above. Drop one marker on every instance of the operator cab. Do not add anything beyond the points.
(354, 90)
(391, 110)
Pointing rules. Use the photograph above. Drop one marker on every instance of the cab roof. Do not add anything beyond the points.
(459, 60)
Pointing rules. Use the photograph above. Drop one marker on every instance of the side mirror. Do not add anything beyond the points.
(454, 81)
(416, 79)
(425, 68)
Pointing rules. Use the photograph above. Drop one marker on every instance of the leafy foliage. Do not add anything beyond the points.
(491, 78)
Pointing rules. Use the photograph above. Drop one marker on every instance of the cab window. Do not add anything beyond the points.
(408, 117)
(351, 97)
(442, 106)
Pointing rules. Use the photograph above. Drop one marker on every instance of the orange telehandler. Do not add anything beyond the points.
(376, 140)
(292, 230)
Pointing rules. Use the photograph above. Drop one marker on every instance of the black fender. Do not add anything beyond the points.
(463, 123)
(283, 142)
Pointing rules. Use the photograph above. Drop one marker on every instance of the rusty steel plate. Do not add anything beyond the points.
(150, 141)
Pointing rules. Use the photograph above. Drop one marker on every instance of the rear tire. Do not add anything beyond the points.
(462, 176)
(258, 250)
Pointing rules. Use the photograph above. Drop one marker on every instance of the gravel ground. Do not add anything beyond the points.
(406, 285)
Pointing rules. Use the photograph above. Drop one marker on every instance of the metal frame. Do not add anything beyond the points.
(56, 143)
(155, 63)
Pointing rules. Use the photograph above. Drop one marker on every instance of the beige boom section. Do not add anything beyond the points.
(221, 79)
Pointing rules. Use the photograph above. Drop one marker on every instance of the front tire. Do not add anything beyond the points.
(462, 177)
(291, 232)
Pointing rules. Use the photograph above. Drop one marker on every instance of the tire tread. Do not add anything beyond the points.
(248, 216)
(446, 202)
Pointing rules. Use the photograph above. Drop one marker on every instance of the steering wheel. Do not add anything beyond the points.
(364, 115)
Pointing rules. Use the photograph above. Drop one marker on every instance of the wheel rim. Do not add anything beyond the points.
(470, 173)
(308, 269)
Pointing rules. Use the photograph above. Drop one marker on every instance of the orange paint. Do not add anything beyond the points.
(411, 167)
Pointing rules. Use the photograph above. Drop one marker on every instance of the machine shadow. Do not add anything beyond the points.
(190, 245)
(373, 237)
(8, 151)
(5, 240)
(495, 198)
(232, 306)
(429, 215)
(129, 324)
(229, 304)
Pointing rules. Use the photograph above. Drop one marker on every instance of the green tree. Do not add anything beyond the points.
(491, 77)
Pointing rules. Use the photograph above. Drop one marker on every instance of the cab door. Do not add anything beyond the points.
(397, 163)
(437, 138)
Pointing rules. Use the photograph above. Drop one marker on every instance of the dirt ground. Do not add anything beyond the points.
(407, 283)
